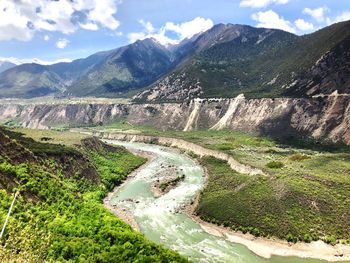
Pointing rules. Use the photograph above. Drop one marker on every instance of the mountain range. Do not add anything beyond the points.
(5, 65)
(224, 61)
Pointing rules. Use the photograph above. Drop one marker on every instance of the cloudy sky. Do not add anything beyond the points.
(47, 31)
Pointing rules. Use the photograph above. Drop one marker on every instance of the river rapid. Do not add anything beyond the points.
(159, 218)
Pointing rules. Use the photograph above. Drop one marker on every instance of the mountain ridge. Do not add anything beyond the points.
(224, 61)
(231, 68)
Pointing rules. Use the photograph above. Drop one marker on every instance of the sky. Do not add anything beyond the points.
(48, 31)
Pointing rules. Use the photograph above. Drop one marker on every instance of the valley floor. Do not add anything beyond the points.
(304, 197)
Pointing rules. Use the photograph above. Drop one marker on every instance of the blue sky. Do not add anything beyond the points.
(68, 29)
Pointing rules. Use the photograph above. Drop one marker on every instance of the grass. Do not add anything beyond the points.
(57, 137)
(292, 208)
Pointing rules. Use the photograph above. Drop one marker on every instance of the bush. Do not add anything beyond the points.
(291, 238)
(307, 238)
(331, 240)
(298, 157)
(274, 165)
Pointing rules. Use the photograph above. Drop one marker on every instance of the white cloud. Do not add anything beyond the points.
(147, 25)
(261, 3)
(21, 19)
(18, 61)
(46, 38)
(342, 17)
(270, 19)
(59, 12)
(62, 43)
(302, 25)
(319, 14)
(133, 37)
(182, 30)
(89, 26)
(190, 28)
(13, 24)
(102, 12)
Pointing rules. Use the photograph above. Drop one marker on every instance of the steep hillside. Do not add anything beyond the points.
(29, 80)
(259, 63)
(59, 216)
(131, 67)
(331, 73)
(5, 65)
(78, 68)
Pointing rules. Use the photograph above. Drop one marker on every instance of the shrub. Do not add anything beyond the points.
(291, 238)
(307, 238)
(299, 157)
(331, 240)
(274, 165)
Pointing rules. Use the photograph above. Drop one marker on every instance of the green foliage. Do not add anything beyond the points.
(288, 207)
(41, 149)
(331, 239)
(115, 166)
(164, 185)
(274, 165)
(63, 219)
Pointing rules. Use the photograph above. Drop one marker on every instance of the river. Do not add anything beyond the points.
(159, 220)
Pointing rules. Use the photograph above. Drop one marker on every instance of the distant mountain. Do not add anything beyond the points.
(124, 69)
(234, 59)
(109, 73)
(224, 61)
(30, 80)
(5, 65)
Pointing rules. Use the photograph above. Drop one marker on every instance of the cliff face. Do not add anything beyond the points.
(326, 117)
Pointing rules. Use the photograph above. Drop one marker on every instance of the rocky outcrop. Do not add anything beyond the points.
(322, 117)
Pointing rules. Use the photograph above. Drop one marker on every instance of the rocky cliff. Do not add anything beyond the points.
(323, 117)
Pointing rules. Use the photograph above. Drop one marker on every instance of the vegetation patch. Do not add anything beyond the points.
(295, 209)
(165, 186)
(299, 157)
(274, 165)
(61, 218)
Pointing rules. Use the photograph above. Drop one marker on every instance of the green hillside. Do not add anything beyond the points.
(59, 215)
(261, 63)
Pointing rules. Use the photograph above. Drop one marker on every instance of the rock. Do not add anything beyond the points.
(322, 117)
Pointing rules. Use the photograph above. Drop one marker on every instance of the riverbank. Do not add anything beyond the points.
(177, 143)
(121, 211)
(266, 248)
